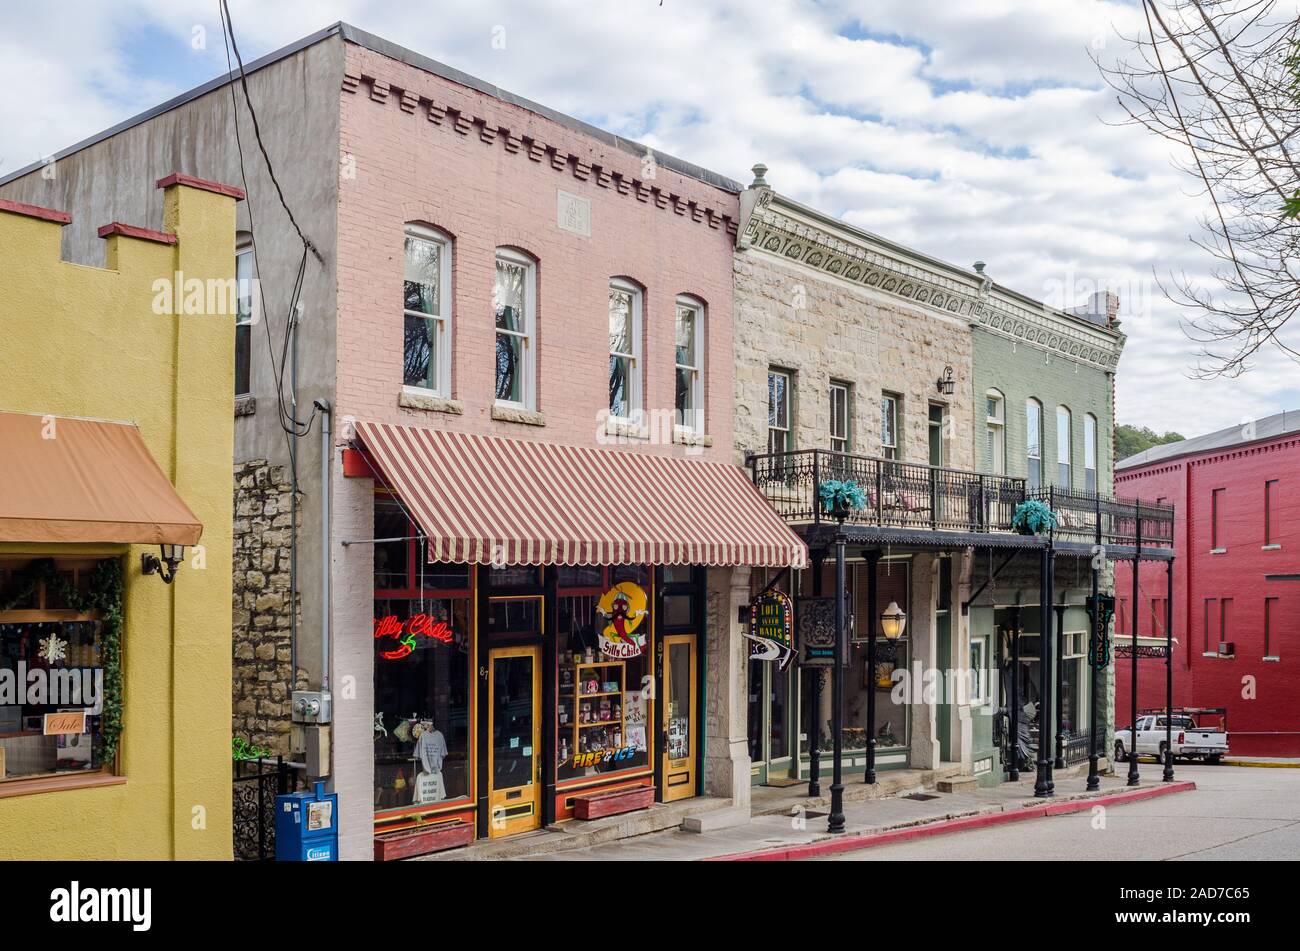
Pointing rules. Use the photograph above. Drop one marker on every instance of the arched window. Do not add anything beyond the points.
(514, 299)
(624, 350)
(1034, 442)
(1064, 435)
(995, 444)
(426, 309)
(689, 363)
(1090, 452)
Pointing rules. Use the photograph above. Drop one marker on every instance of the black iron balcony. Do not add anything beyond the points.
(913, 496)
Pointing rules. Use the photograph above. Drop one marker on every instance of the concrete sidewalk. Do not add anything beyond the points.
(801, 831)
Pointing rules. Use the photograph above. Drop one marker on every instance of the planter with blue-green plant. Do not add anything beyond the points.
(841, 498)
(1034, 517)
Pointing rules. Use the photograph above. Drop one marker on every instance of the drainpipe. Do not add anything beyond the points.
(326, 458)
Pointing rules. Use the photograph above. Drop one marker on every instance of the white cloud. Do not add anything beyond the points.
(966, 128)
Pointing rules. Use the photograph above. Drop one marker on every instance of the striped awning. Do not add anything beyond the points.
(489, 500)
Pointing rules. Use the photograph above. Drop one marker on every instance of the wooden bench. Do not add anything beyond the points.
(434, 838)
(598, 805)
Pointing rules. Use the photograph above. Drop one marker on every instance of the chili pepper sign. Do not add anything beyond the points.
(624, 609)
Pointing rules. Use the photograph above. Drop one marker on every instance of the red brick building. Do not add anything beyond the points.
(1236, 593)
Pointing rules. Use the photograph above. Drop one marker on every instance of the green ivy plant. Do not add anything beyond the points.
(104, 596)
(1034, 517)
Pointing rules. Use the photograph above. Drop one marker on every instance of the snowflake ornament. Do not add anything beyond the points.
(53, 649)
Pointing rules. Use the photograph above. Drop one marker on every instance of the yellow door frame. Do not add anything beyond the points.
(679, 774)
(518, 808)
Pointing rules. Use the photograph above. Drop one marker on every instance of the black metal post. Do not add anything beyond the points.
(873, 612)
(1043, 781)
(815, 750)
(1094, 634)
(1014, 712)
(1133, 777)
(835, 823)
(1060, 692)
(1169, 672)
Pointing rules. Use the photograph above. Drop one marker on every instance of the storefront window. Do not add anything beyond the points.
(422, 640)
(51, 680)
(603, 677)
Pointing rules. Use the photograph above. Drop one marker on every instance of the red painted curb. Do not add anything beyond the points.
(868, 840)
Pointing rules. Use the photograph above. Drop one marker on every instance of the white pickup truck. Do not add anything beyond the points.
(1189, 740)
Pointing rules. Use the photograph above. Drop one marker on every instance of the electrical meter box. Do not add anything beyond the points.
(306, 826)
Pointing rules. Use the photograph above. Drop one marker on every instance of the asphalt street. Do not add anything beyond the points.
(1235, 814)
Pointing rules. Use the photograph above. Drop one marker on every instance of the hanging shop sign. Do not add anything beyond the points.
(1123, 649)
(771, 628)
(1100, 610)
(624, 609)
(815, 622)
(407, 632)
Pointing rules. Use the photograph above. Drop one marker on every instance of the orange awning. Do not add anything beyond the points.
(79, 480)
(486, 499)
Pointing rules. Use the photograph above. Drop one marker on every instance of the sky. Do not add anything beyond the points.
(967, 129)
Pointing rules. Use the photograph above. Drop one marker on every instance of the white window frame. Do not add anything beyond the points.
(996, 431)
(633, 356)
(931, 426)
(787, 442)
(892, 401)
(443, 319)
(528, 335)
(696, 307)
(841, 427)
(978, 696)
(244, 248)
(1033, 409)
(1065, 446)
(1090, 452)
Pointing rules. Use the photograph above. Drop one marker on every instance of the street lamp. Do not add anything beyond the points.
(893, 621)
(164, 567)
(946, 384)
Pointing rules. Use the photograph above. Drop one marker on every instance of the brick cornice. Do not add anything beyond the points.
(117, 228)
(180, 178)
(582, 168)
(35, 211)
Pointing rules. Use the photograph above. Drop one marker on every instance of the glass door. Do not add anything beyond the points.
(679, 717)
(514, 731)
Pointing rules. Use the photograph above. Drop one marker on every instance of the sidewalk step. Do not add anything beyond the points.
(957, 784)
(716, 819)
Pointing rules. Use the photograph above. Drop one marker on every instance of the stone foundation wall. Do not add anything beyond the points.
(263, 665)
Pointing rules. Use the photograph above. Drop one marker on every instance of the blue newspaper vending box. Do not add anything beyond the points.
(306, 826)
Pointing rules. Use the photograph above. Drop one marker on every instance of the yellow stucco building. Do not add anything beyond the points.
(113, 390)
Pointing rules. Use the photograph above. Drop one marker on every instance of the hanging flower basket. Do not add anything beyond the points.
(841, 498)
(1033, 517)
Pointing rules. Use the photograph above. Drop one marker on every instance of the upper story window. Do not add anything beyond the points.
(778, 411)
(841, 415)
(1064, 435)
(1216, 512)
(889, 411)
(1034, 442)
(1090, 452)
(426, 306)
(244, 316)
(995, 446)
(1272, 536)
(689, 360)
(624, 350)
(514, 297)
(938, 417)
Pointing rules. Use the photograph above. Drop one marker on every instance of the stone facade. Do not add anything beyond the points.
(263, 655)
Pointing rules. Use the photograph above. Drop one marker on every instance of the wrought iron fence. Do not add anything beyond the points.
(908, 495)
(256, 784)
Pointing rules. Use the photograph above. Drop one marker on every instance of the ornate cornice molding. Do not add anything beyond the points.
(772, 227)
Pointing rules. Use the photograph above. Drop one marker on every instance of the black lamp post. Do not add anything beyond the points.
(1013, 715)
(1060, 692)
(1043, 785)
(815, 750)
(1133, 777)
(1169, 673)
(835, 823)
(1101, 608)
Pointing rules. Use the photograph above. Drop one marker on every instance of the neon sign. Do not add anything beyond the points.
(406, 632)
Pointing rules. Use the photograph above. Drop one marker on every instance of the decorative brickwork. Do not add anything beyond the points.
(261, 621)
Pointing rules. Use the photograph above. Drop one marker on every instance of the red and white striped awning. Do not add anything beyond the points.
(490, 500)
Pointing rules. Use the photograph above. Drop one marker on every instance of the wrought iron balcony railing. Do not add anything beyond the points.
(909, 495)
